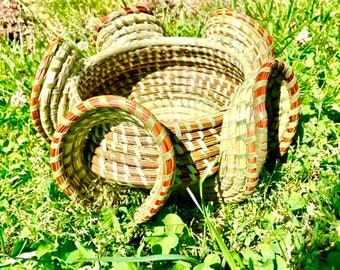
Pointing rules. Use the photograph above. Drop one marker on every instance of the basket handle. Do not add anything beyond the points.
(126, 25)
(240, 33)
(67, 157)
(262, 120)
(282, 104)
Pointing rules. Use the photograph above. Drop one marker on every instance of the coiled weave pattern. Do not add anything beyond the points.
(147, 109)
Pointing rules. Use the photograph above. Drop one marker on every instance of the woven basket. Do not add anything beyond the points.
(175, 89)
(220, 95)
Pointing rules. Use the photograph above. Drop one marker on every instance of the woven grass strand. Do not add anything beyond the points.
(49, 85)
(68, 161)
(58, 63)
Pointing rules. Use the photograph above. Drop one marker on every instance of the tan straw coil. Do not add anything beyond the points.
(67, 158)
(58, 63)
(250, 42)
(127, 25)
(261, 115)
(223, 95)
(39, 81)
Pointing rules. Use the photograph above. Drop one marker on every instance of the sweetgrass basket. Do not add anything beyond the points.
(152, 111)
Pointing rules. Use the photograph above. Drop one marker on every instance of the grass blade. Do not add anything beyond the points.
(224, 249)
(151, 258)
(2, 242)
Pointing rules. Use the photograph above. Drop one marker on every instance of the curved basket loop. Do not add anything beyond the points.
(248, 40)
(58, 63)
(262, 118)
(68, 160)
(126, 25)
(39, 80)
(282, 104)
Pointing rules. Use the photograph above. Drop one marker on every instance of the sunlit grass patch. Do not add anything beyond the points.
(292, 221)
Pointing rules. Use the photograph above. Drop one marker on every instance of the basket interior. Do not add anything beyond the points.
(185, 86)
(177, 83)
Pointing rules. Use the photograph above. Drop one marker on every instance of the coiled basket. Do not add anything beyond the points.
(153, 112)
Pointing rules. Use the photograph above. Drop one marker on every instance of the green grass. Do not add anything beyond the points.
(292, 221)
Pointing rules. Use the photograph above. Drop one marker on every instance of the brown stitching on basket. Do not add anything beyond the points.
(159, 202)
(72, 117)
(63, 128)
(152, 211)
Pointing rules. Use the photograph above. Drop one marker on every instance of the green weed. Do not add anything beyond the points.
(292, 221)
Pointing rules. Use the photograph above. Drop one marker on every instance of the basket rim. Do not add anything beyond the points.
(160, 46)
(107, 19)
